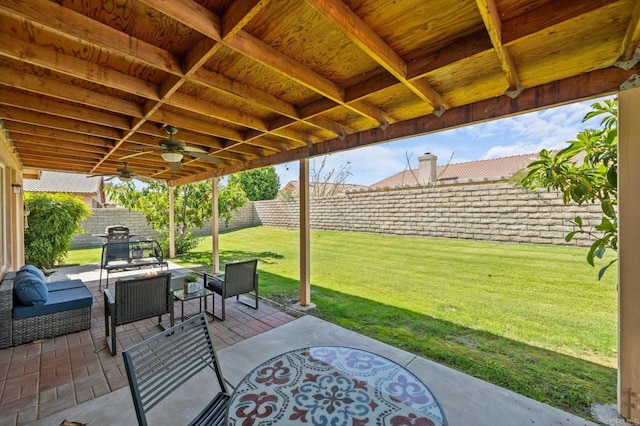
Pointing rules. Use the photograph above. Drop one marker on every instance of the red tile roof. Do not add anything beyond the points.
(493, 169)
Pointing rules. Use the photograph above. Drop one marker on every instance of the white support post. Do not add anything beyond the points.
(629, 254)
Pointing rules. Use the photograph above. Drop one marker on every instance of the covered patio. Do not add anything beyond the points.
(100, 88)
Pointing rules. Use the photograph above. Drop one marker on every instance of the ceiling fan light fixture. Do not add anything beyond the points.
(171, 157)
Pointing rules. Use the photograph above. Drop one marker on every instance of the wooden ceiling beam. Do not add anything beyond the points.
(70, 65)
(547, 16)
(57, 143)
(632, 36)
(36, 143)
(583, 86)
(52, 164)
(366, 39)
(61, 135)
(191, 14)
(40, 103)
(71, 24)
(236, 17)
(492, 23)
(61, 156)
(57, 89)
(243, 92)
(47, 120)
(197, 125)
(209, 109)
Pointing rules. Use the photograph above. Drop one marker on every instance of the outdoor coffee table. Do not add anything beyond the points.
(201, 293)
(332, 385)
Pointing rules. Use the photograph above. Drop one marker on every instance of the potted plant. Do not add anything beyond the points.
(190, 282)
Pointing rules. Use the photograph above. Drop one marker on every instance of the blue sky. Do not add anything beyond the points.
(523, 134)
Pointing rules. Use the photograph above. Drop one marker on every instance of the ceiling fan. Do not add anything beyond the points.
(172, 151)
(125, 174)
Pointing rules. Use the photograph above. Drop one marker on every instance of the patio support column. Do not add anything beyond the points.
(629, 254)
(172, 226)
(305, 268)
(215, 227)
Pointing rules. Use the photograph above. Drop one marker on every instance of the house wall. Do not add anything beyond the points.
(495, 211)
(11, 212)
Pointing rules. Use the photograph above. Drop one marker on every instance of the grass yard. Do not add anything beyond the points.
(530, 318)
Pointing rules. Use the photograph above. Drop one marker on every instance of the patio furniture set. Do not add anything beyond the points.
(32, 309)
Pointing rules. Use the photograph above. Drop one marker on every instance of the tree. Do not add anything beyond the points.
(592, 180)
(327, 183)
(191, 207)
(258, 184)
(52, 221)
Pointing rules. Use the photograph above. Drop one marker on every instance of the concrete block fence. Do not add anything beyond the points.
(137, 223)
(490, 212)
(496, 211)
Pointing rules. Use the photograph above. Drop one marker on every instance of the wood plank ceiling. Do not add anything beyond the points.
(84, 83)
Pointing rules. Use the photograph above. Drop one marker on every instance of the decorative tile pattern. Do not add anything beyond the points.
(333, 385)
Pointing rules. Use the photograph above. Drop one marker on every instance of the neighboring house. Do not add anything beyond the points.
(89, 188)
(318, 189)
(495, 169)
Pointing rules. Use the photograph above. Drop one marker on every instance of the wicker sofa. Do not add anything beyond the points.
(67, 310)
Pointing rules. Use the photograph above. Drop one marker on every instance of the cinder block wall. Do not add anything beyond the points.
(482, 211)
(491, 212)
(137, 224)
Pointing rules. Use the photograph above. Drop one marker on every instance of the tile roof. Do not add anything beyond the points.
(63, 182)
(321, 188)
(492, 169)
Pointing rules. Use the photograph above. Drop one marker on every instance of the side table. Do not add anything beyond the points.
(201, 293)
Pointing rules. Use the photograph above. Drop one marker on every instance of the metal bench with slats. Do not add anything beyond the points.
(159, 365)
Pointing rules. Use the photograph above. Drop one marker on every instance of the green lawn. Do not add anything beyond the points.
(530, 318)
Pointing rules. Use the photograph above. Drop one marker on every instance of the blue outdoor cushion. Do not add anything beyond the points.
(64, 285)
(33, 270)
(30, 289)
(59, 301)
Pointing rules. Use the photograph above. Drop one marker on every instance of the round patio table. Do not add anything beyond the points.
(333, 385)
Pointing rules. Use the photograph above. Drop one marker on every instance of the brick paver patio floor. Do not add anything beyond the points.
(41, 378)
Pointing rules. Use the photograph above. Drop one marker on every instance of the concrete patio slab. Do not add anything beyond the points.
(465, 400)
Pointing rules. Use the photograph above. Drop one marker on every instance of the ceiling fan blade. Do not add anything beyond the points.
(188, 148)
(205, 157)
(175, 167)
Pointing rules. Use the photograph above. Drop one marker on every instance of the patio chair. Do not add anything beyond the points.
(239, 278)
(137, 298)
(162, 363)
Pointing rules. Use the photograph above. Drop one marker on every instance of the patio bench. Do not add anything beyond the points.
(67, 309)
(161, 364)
(130, 255)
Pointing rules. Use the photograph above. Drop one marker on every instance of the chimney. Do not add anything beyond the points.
(427, 168)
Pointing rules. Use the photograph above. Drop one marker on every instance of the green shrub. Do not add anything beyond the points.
(52, 221)
(184, 243)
